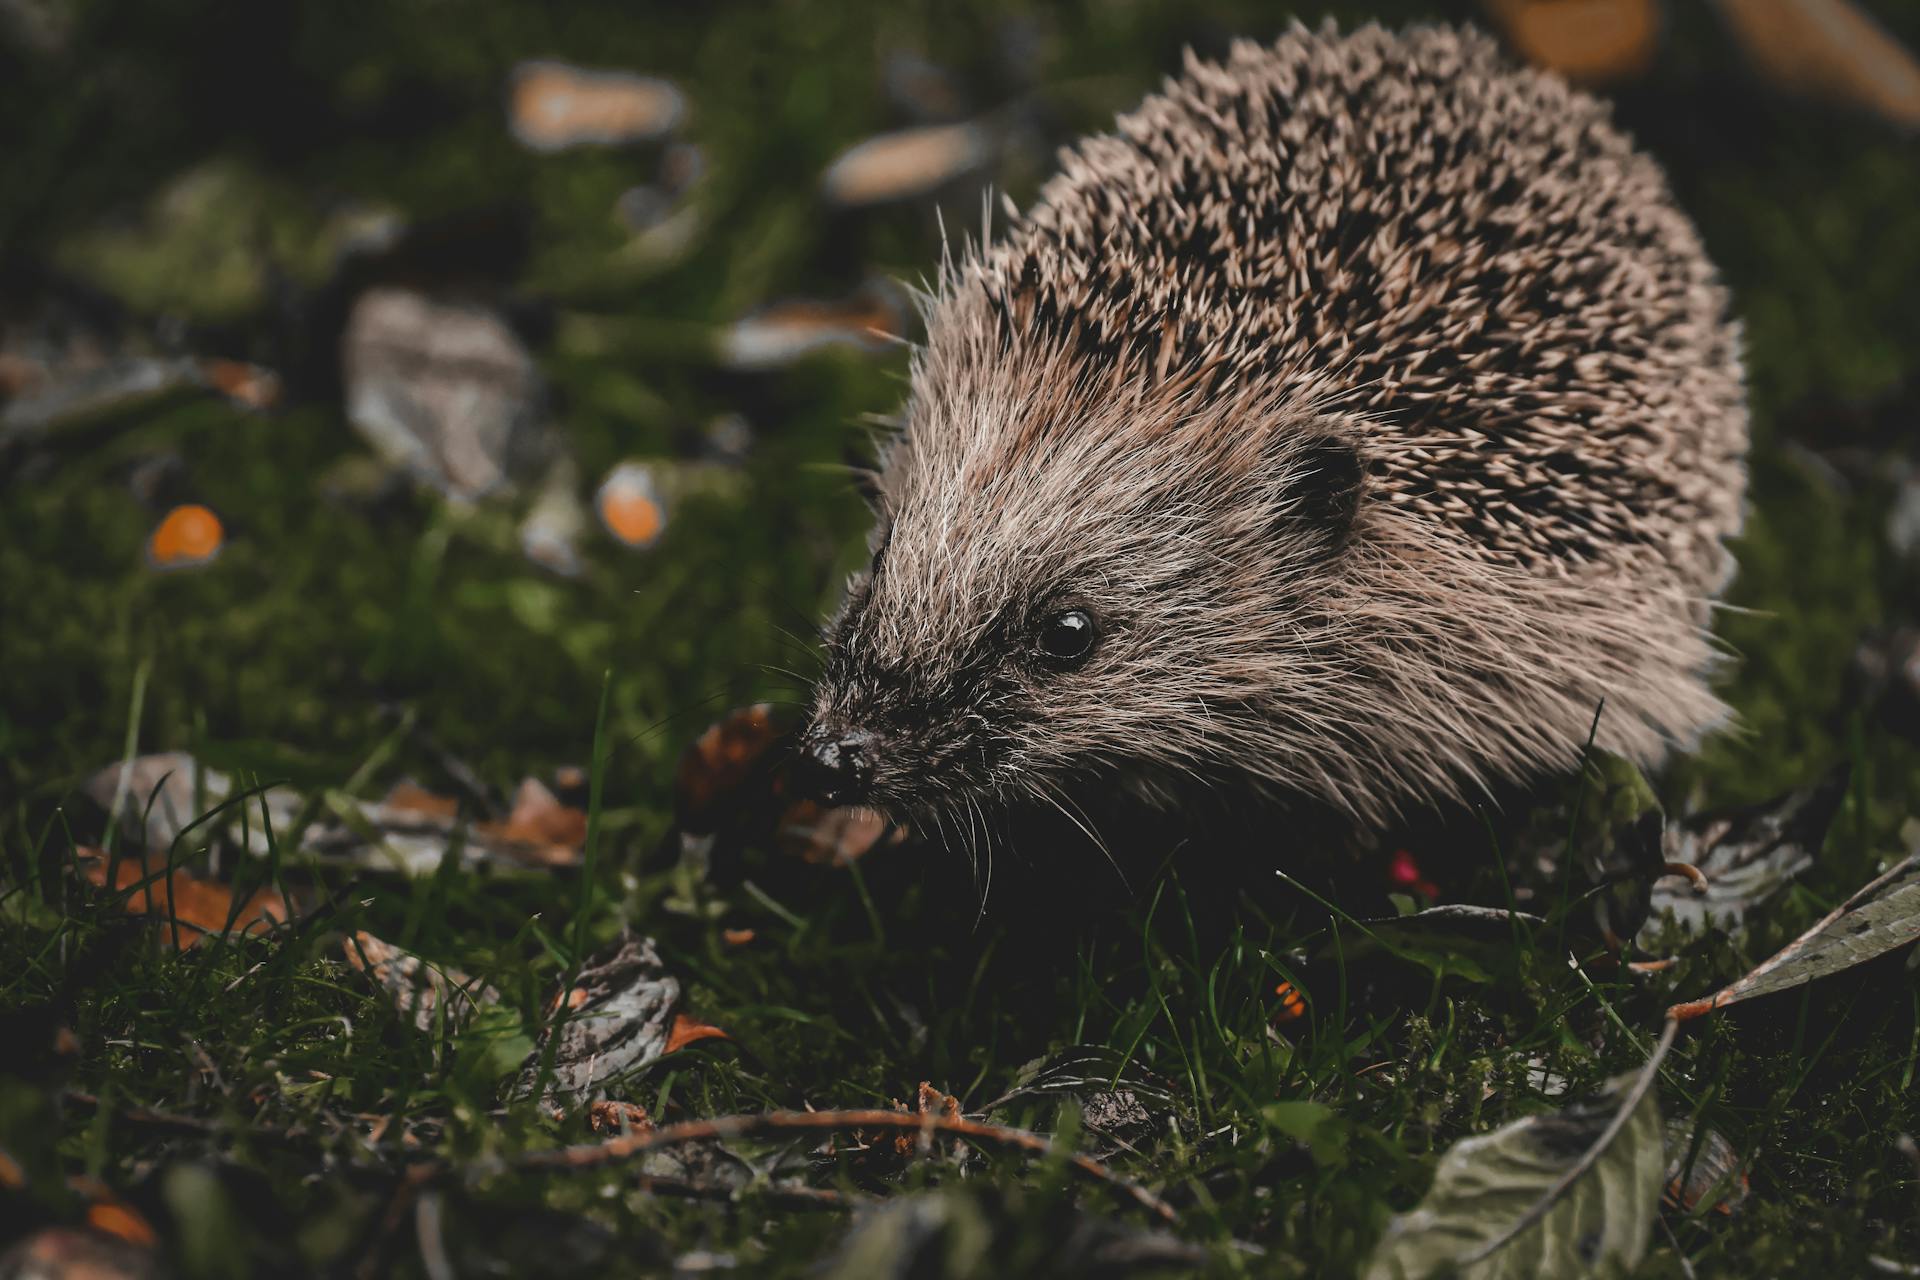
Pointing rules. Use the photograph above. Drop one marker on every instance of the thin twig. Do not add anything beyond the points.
(171, 1122)
(775, 1123)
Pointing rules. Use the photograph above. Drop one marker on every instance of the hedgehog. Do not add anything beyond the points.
(1360, 423)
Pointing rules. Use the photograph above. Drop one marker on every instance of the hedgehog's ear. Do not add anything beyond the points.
(1326, 479)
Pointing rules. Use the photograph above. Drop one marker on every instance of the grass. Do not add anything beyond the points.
(327, 625)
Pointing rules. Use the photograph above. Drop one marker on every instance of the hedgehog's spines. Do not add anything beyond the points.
(1386, 239)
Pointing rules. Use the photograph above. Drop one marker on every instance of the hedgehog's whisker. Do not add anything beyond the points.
(1047, 792)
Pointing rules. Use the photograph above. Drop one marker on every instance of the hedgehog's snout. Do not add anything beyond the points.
(835, 763)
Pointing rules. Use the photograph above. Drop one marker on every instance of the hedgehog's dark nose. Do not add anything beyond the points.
(835, 766)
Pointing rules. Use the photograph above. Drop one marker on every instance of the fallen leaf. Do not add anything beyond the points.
(1746, 855)
(1089, 1074)
(152, 796)
(924, 1233)
(686, 1031)
(1880, 917)
(187, 536)
(834, 837)
(539, 820)
(419, 990)
(200, 907)
(553, 106)
(615, 1118)
(412, 832)
(909, 163)
(108, 1213)
(728, 758)
(247, 385)
(1569, 1193)
(779, 335)
(72, 1254)
(621, 1018)
(444, 388)
(550, 534)
(629, 505)
(1714, 1168)
(1831, 49)
(406, 796)
(1590, 41)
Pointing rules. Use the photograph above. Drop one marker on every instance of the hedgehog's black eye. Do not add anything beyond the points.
(1067, 639)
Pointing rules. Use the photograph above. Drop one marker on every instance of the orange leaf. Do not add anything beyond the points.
(554, 830)
(1585, 40)
(186, 536)
(200, 907)
(417, 799)
(618, 1117)
(685, 1031)
(736, 937)
(718, 763)
(109, 1213)
(629, 505)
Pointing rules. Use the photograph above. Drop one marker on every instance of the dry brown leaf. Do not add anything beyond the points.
(834, 836)
(685, 1031)
(410, 797)
(1830, 49)
(719, 763)
(74, 1254)
(911, 162)
(418, 989)
(618, 1117)
(108, 1213)
(201, 907)
(780, 334)
(552, 832)
(554, 106)
(1585, 40)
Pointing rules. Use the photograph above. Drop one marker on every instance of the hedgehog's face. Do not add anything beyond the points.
(1078, 607)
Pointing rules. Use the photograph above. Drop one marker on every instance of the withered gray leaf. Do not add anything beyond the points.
(419, 989)
(620, 1018)
(1746, 855)
(1570, 1193)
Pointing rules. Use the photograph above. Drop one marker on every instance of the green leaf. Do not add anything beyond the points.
(1883, 915)
(1570, 1193)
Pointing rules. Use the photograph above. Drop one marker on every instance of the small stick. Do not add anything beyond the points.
(775, 1123)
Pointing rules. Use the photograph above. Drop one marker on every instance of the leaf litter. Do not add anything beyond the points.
(410, 830)
(619, 1016)
(1745, 856)
(1569, 1193)
(1878, 918)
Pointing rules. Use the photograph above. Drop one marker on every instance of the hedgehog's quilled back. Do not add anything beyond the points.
(1369, 401)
